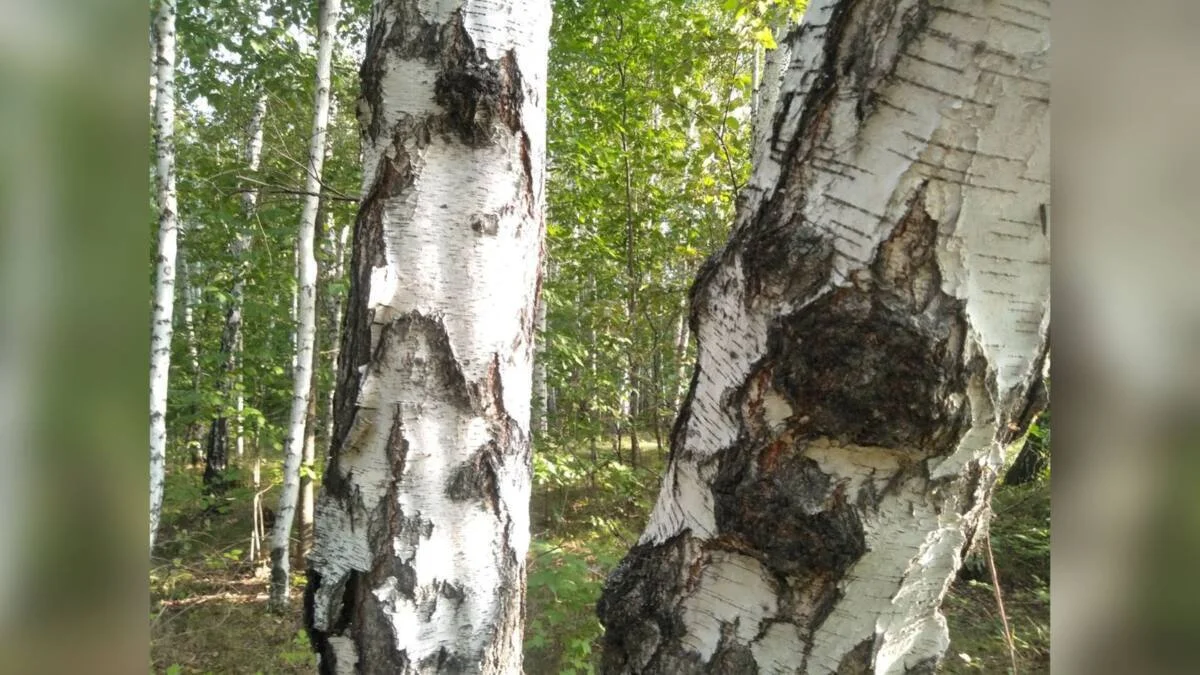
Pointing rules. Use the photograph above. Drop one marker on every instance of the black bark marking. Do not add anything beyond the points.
(477, 478)
(730, 656)
(475, 90)
(446, 661)
(486, 223)
(791, 515)
(342, 604)
(863, 65)
(860, 660)
(864, 375)
(799, 251)
(876, 366)
(636, 608)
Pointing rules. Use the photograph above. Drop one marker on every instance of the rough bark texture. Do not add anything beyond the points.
(422, 522)
(327, 18)
(868, 342)
(168, 237)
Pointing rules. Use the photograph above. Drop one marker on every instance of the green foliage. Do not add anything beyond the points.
(649, 107)
(589, 513)
(300, 652)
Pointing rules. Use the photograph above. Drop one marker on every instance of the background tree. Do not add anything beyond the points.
(168, 235)
(870, 339)
(302, 387)
(422, 522)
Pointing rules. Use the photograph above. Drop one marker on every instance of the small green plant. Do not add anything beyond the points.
(300, 652)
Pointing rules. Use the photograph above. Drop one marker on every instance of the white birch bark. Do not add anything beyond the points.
(869, 341)
(540, 391)
(682, 335)
(164, 283)
(218, 445)
(254, 146)
(422, 521)
(327, 18)
(766, 95)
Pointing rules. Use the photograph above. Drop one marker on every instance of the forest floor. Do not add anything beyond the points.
(208, 602)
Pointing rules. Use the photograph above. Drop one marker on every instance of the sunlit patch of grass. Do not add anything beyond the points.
(209, 602)
(1021, 547)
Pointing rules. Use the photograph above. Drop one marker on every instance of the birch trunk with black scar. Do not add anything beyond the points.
(422, 522)
(869, 341)
(327, 18)
(168, 237)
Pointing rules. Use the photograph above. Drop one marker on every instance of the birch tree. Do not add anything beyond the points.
(327, 17)
(422, 522)
(217, 447)
(168, 236)
(869, 341)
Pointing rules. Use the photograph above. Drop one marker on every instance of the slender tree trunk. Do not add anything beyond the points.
(339, 238)
(423, 518)
(540, 397)
(682, 335)
(307, 467)
(217, 445)
(168, 233)
(656, 402)
(633, 279)
(327, 18)
(869, 341)
(188, 299)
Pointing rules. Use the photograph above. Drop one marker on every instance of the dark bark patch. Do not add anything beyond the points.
(863, 65)
(793, 516)
(731, 657)
(637, 608)
(477, 478)
(419, 346)
(485, 224)
(446, 661)
(452, 592)
(476, 91)
(858, 661)
(794, 257)
(905, 268)
(867, 375)
(375, 640)
(345, 591)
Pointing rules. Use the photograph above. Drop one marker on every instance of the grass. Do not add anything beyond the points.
(209, 602)
(1021, 546)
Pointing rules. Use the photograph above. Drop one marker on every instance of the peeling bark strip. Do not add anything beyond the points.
(422, 524)
(869, 340)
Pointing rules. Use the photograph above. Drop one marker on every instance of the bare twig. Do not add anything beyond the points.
(1008, 636)
(330, 193)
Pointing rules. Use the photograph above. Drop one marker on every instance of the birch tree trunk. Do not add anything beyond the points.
(168, 233)
(327, 18)
(423, 517)
(308, 457)
(869, 342)
(766, 91)
(541, 398)
(190, 297)
(218, 445)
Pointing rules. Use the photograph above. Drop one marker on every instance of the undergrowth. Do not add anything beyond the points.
(209, 601)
